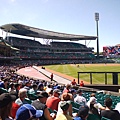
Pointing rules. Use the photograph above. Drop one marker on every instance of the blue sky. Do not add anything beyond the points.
(67, 16)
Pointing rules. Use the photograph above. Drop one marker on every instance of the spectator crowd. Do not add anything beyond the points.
(24, 98)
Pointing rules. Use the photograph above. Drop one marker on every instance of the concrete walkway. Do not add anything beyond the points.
(56, 78)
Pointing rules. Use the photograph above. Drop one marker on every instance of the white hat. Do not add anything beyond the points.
(93, 100)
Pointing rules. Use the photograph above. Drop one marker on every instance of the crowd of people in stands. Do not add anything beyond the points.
(24, 98)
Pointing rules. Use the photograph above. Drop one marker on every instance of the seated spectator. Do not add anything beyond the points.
(22, 95)
(73, 92)
(33, 90)
(39, 104)
(66, 97)
(4, 83)
(82, 113)
(81, 84)
(6, 101)
(14, 109)
(52, 101)
(28, 112)
(109, 112)
(64, 116)
(11, 87)
(49, 88)
(117, 107)
(41, 87)
(93, 102)
(79, 98)
(67, 88)
(17, 88)
(27, 85)
(73, 82)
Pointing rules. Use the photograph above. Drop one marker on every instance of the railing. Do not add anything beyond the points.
(114, 76)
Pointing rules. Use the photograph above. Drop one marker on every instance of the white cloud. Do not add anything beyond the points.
(44, 1)
(12, 0)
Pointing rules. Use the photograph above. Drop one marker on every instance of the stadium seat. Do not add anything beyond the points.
(2, 90)
(93, 117)
(32, 96)
(104, 118)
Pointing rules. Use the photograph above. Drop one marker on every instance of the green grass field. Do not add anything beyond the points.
(72, 70)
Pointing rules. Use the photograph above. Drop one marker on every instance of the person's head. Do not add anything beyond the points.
(79, 91)
(83, 112)
(6, 101)
(41, 87)
(92, 95)
(17, 86)
(73, 91)
(74, 80)
(108, 102)
(28, 112)
(28, 83)
(43, 97)
(22, 93)
(6, 81)
(12, 85)
(64, 106)
(66, 97)
(34, 86)
(92, 100)
(56, 92)
(68, 86)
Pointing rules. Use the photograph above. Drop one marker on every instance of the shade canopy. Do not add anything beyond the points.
(24, 30)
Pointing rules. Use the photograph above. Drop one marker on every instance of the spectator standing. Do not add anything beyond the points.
(51, 77)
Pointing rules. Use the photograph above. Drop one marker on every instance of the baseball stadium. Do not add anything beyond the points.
(61, 63)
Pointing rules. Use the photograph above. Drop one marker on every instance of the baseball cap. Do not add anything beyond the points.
(83, 111)
(27, 111)
(64, 105)
(56, 91)
(73, 90)
(79, 91)
(43, 94)
(6, 98)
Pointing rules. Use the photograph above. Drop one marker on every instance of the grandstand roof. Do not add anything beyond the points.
(24, 30)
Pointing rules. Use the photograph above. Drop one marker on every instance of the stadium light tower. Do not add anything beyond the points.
(97, 19)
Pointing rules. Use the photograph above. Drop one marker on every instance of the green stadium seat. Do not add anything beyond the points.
(104, 118)
(32, 96)
(2, 90)
(93, 117)
(28, 100)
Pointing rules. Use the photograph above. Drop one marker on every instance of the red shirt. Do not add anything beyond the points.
(73, 83)
(52, 102)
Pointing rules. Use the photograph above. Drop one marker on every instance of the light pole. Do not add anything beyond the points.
(97, 19)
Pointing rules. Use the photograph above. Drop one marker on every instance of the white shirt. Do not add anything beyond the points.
(117, 107)
(80, 99)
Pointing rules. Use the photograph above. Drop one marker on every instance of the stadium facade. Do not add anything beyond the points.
(31, 51)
